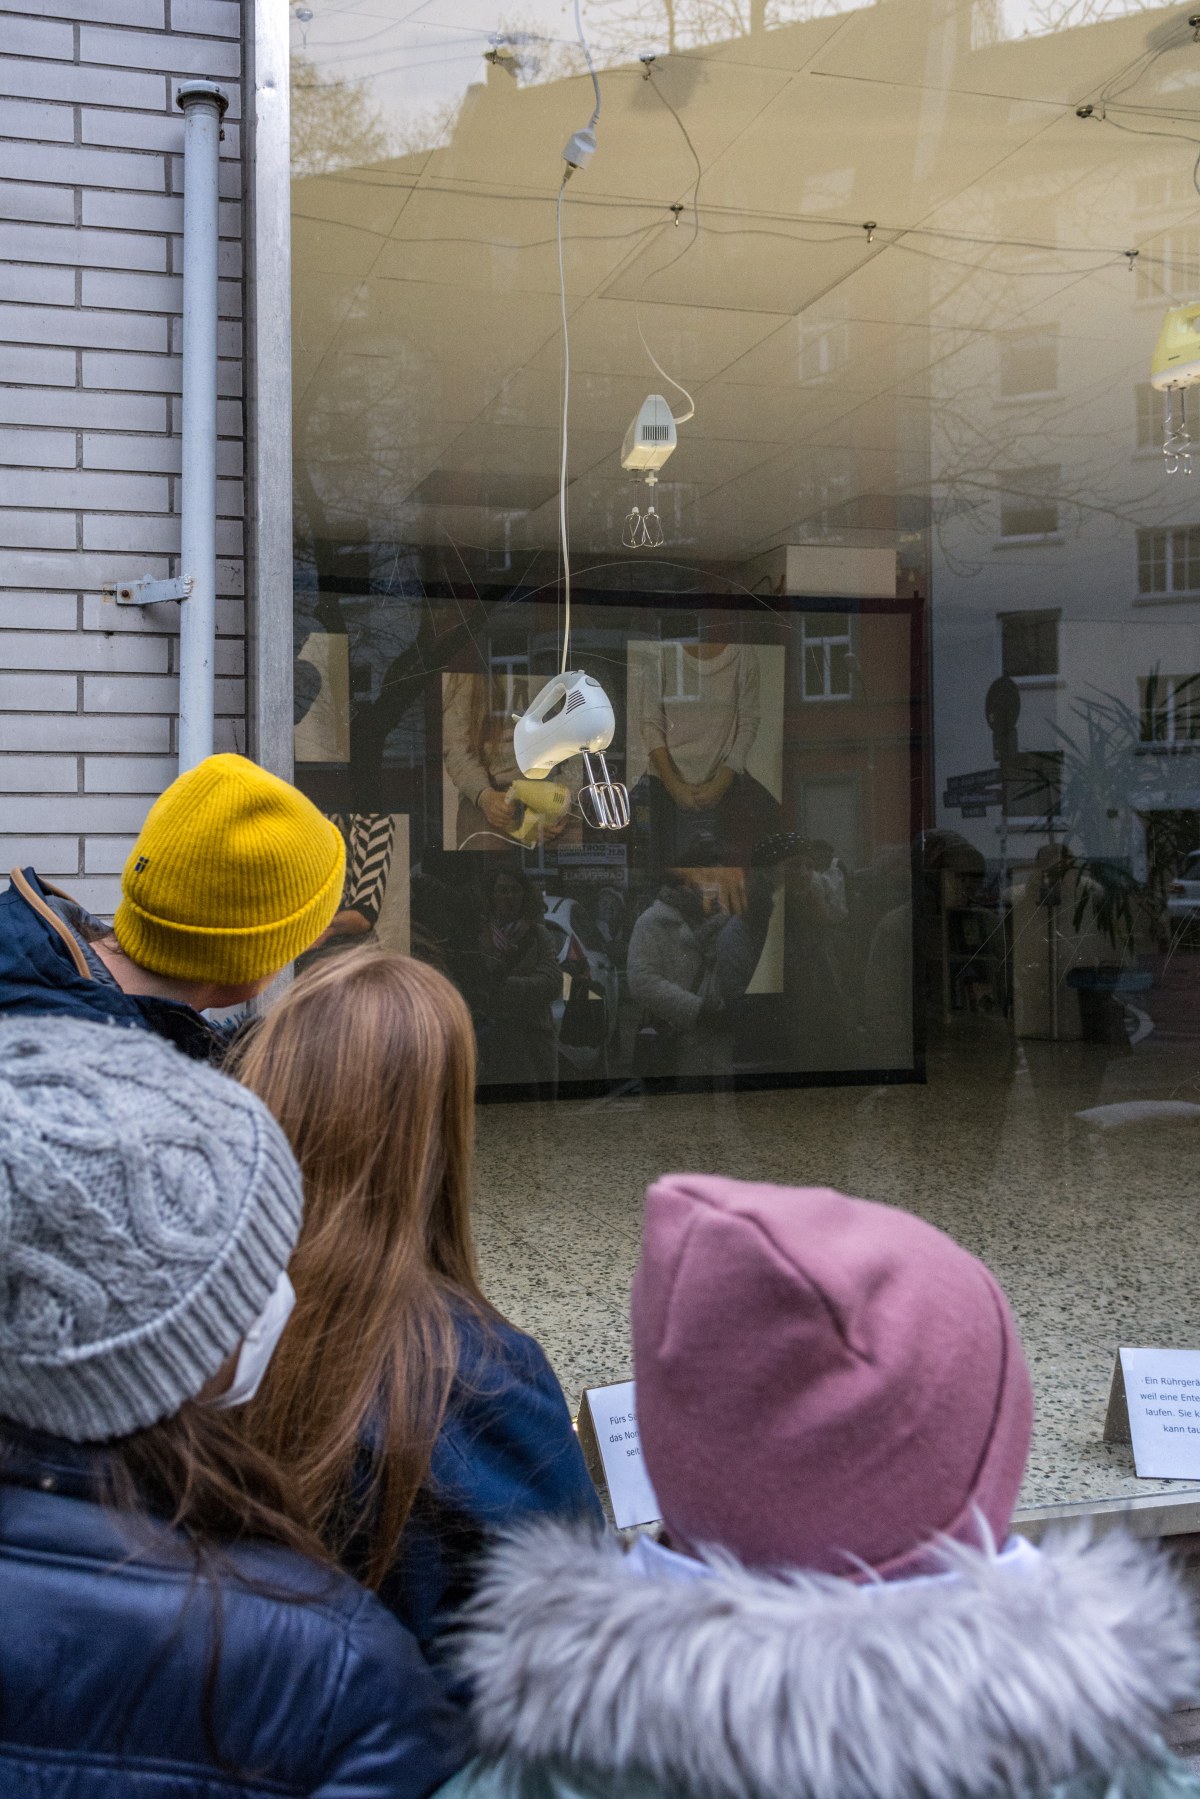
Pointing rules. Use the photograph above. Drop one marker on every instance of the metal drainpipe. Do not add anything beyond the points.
(203, 105)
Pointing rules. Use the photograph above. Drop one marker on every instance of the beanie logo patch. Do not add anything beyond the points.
(142, 862)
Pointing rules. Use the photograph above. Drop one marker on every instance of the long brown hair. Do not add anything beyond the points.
(195, 1473)
(368, 1063)
(490, 705)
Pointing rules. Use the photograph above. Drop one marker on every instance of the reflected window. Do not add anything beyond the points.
(680, 671)
(509, 685)
(1159, 192)
(1150, 415)
(824, 351)
(1029, 644)
(1037, 785)
(1028, 363)
(827, 665)
(912, 753)
(1025, 241)
(1167, 266)
(1170, 708)
(1027, 504)
(1169, 561)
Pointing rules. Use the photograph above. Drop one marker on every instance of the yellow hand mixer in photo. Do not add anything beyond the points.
(545, 802)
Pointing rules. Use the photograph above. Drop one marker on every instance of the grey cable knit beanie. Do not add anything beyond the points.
(147, 1207)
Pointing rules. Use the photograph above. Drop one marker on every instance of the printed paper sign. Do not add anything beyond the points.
(615, 1423)
(1162, 1391)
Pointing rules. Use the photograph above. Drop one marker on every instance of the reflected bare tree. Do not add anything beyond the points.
(334, 125)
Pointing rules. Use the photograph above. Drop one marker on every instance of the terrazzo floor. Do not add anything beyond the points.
(1092, 1233)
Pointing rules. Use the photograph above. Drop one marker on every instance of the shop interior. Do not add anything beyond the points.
(826, 371)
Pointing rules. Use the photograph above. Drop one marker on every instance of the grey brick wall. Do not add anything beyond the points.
(91, 211)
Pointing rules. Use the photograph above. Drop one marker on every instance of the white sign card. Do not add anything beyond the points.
(1162, 1391)
(614, 1420)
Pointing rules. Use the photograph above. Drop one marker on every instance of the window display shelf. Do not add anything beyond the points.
(1091, 1232)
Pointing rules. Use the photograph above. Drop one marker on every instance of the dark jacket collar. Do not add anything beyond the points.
(43, 969)
(33, 1458)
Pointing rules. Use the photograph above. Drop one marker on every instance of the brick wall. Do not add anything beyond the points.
(91, 178)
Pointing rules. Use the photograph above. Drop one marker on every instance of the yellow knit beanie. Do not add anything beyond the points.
(233, 875)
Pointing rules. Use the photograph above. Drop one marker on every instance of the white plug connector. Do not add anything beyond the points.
(580, 148)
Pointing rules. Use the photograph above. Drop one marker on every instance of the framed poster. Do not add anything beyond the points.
(754, 925)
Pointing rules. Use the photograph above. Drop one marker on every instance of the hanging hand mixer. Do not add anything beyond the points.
(572, 715)
(1175, 367)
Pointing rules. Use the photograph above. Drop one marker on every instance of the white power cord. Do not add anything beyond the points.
(587, 53)
(563, 532)
(543, 737)
(649, 62)
(680, 419)
(577, 153)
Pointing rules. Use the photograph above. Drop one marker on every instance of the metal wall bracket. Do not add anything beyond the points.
(146, 591)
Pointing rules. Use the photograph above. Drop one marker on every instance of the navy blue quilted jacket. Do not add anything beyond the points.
(507, 1453)
(107, 1653)
(42, 969)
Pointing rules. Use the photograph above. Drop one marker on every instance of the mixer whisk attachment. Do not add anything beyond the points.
(643, 530)
(1177, 440)
(603, 801)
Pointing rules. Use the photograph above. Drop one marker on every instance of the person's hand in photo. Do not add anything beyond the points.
(496, 806)
(732, 885)
(710, 793)
(679, 789)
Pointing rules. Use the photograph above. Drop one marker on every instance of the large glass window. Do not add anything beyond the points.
(875, 555)
(1029, 644)
(1169, 561)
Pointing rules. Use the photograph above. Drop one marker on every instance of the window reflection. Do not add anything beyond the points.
(906, 701)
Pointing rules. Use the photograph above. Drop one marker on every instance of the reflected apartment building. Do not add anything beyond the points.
(921, 493)
(969, 400)
(1060, 561)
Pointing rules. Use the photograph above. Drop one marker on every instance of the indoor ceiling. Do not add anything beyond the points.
(835, 371)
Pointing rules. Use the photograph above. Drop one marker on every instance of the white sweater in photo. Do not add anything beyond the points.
(704, 711)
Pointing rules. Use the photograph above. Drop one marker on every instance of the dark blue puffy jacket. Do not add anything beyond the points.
(107, 1653)
(507, 1451)
(43, 970)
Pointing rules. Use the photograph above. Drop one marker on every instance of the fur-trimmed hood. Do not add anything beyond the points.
(999, 1681)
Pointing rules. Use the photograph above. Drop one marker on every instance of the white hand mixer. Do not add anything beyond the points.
(573, 716)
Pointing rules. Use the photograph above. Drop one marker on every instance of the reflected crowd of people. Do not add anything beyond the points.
(702, 972)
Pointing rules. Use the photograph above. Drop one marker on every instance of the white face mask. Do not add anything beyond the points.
(258, 1346)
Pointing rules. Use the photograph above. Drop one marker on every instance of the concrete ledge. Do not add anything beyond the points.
(1157, 1515)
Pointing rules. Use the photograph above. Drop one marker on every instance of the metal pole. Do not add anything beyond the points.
(269, 727)
(203, 106)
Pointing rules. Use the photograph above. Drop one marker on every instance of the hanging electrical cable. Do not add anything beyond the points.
(564, 536)
(591, 67)
(654, 274)
(680, 418)
(653, 434)
(572, 715)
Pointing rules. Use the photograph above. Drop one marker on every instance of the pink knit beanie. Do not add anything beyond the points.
(822, 1381)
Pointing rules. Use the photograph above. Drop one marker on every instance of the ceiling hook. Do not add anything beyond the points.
(870, 228)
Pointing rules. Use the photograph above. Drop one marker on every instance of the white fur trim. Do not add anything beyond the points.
(805, 1687)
